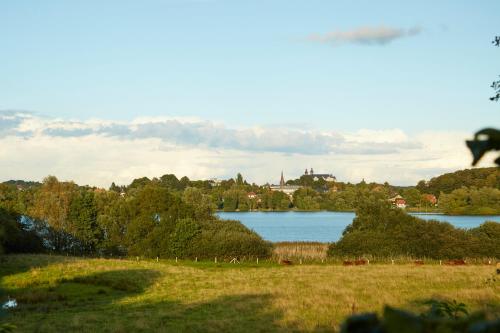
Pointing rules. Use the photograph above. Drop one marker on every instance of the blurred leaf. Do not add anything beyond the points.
(398, 321)
(363, 323)
(485, 140)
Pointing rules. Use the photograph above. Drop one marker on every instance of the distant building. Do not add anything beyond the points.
(398, 201)
(430, 198)
(282, 187)
(214, 181)
(251, 195)
(317, 176)
(401, 203)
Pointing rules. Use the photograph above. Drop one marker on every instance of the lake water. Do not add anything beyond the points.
(323, 226)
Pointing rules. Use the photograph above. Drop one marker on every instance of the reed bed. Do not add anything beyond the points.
(311, 251)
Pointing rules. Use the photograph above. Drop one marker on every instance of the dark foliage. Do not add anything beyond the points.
(442, 316)
(14, 237)
(382, 231)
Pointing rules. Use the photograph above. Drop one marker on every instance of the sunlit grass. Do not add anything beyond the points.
(60, 293)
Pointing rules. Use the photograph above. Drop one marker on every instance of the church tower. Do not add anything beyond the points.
(306, 172)
(282, 180)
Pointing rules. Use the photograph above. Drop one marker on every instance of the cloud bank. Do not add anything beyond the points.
(364, 35)
(97, 151)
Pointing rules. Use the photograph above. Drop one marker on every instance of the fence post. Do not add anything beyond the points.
(175, 259)
(300, 261)
(368, 261)
(196, 259)
(439, 262)
(136, 258)
(157, 259)
(257, 260)
(215, 259)
(392, 261)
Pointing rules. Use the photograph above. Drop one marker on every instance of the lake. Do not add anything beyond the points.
(323, 226)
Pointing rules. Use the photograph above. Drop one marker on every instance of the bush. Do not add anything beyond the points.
(13, 238)
(226, 239)
(382, 231)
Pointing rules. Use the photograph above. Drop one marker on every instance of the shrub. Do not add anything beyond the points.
(382, 231)
(227, 238)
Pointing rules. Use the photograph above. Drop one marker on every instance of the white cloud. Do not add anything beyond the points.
(98, 152)
(364, 35)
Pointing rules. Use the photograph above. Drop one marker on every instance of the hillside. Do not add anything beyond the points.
(446, 183)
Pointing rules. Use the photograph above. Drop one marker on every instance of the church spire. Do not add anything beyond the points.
(282, 180)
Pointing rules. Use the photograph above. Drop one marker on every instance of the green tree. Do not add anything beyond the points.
(202, 203)
(412, 196)
(52, 206)
(83, 220)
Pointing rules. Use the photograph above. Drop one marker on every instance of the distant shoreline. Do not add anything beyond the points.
(345, 211)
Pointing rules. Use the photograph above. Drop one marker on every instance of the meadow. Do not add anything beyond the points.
(58, 293)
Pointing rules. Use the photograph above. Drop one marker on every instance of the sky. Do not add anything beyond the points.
(102, 91)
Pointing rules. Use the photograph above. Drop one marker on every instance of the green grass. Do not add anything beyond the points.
(92, 295)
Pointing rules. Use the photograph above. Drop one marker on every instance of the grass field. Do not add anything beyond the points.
(73, 294)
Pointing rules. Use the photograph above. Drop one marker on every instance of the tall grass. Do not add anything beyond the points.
(300, 251)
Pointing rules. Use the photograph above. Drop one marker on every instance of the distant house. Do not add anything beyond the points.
(398, 201)
(251, 195)
(430, 198)
(401, 203)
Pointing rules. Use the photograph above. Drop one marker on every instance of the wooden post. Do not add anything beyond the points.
(257, 260)
(300, 261)
(215, 259)
(368, 261)
(196, 259)
(175, 259)
(392, 261)
(439, 262)
(156, 259)
(137, 258)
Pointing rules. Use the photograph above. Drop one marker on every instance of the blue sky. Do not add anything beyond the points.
(304, 65)
(249, 62)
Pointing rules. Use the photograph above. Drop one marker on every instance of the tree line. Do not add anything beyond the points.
(167, 218)
(149, 220)
(474, 191)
